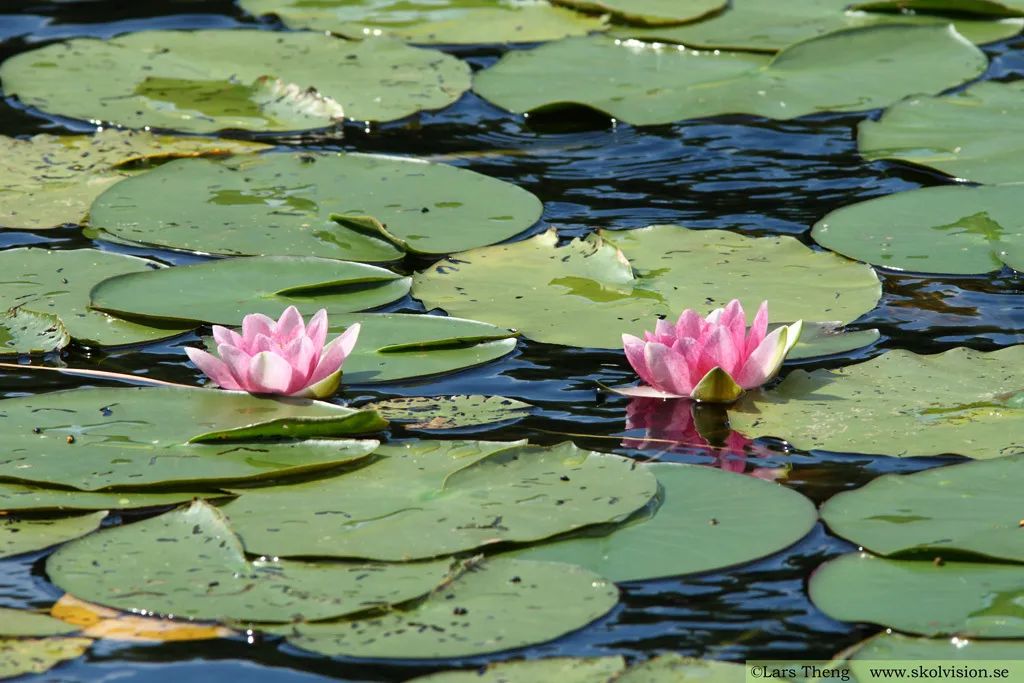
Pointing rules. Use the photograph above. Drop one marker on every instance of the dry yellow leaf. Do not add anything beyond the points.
(97, 621)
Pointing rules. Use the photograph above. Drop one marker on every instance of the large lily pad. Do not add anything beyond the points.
(673, 668)
(932, 230)
(226, 290)
(28, 332)
(204, 81)
(36, 655)
(827, 339)
(352, 206)
(189, 563)
(491, 606)
(650, 12)
(21, 623)
(976, 134)
(645, 85)
(19, 536)
(432, 498)
(450, 22)
(769, 26)
(50, 180)
(15, 497)
(129, 437)
(708, 519)
(589, 292)
(450, 412)
(896, 646)
(995, 8)
(562, 669)
(972, 508)
(58, 283)
(901, 404)
(927, 598)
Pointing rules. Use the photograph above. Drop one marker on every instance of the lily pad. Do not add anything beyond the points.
(900, 404)
(19, 536)
(645, 84)
(615, 282)
(562, 669)
(827, 339)
(352, 206)
(708, 519)
(450, 22)
(226, 290)
(768, 26)
(957, 230)
(673, 668)
(972, 508)
(431, 498)
(15, 497)
(189, 563)
(926, 598)
(21, 623)
(896, 646)
(650, 12)
(205, 81)
(36, 655)
(974, 135)
(995, 8)
(491, 606)
(450, 412)
(58, 282)
(28, 332)
(50, 180)
(93, 439)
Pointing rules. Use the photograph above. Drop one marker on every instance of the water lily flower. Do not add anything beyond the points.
(709, 359)
(284, 357)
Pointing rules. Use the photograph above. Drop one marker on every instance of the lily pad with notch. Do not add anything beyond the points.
(28, 535)
(28, 497)
(650, 12)
(450, 412)
(37, 655)
(24, 332)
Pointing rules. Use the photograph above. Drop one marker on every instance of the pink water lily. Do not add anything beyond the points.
(709, 359)
(284, 357)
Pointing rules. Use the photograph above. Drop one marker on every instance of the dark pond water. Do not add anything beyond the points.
(742, 173)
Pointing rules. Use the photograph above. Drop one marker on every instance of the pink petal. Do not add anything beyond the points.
(758, 329)
(669, 372)
(719, 351)
(665, 332)
(259, 344)
(316, 330)
(634, 348)
(237, 362)
(735, 321)
(212, 367)
(764, 362)
(223, 335)
(690, 324)
(289, 326)
(714, 315)
(269, 373)
(254, 324)
(335, 354)
(643, 392)
(303, 357)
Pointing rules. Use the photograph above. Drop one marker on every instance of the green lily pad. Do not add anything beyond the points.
(926, 598)
(673, 668)
(432, 498)
(226, 290)
(610, 283)
(768, 26)
(451, 22)
(189, 563)
(826, 339)
(995, 8)
(210, 80)
(352, 206)
(975, 134)
(650, 12)
(93, 439)
(36, 655)
(494, 605)
(709, 519)
(899, 647)
(58, 282)
(972, 508)
(933, 230)
(35, 498)
(562, 669)
(450, 412)
(19, 536)
(22, 623)
(28, 332)
(645, 84)
(50, 180)
(900, 404)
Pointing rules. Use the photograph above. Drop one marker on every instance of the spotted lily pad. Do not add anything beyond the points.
(491, 606)
(36, 655)
(352, 206)
(189, 563)
(644, 84)
(932, 230)
(19, 536)
(971, 509)
(226, 290)
(708, 519)
(975, 134)
(28, 332)
(93, 439)
(562, 669)
(36, 498)
(450, 412)
(996, 8)
(21, 623)
(205, 81)
(827, 339)
(450, 22)
(901, 404)
(610, 283)
(926, 598)
(896, 646)
(50, 180)
(432, 498)
(57, 283)
(650, 12)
